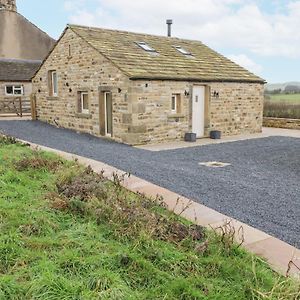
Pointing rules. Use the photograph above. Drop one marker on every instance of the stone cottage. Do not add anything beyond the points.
(138, 88)
(15, 84)
(23, 46)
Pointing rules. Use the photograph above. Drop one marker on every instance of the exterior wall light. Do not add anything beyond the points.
(216, 94)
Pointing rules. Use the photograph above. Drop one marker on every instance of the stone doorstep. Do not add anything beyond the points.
(278, 253)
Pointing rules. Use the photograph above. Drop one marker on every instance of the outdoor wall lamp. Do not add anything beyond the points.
(216, 94)
(186, 93)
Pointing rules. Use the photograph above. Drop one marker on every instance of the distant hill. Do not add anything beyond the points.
(282, 86)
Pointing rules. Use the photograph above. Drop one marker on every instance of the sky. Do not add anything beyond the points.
(261, 35)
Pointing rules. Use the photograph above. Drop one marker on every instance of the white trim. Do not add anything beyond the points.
(52, 83)
(14, 87)
(84, 111)
(198, 110)
(174, 110)
(105, 113)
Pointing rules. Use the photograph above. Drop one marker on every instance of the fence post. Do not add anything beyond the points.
(21, 108)
(33, 106)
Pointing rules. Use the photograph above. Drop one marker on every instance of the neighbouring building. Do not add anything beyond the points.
(138, 88)
(23, 46)
(15, 84)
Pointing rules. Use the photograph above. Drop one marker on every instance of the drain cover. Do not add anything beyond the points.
(214, 164)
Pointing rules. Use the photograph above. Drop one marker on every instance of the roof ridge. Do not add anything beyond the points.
(132, 32)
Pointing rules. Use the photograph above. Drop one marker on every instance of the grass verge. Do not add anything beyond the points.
(68, 233)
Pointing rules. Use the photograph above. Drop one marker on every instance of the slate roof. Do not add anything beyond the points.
(18, 70)
(167, 62)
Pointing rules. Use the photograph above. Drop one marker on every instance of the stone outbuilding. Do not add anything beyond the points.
(138, 88)
(23, 46)
(16, 85)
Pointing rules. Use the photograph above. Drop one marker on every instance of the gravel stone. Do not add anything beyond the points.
(260, 187)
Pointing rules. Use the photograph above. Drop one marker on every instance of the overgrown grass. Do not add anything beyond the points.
(68, 233)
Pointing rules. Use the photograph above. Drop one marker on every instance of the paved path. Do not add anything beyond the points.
(260, 187)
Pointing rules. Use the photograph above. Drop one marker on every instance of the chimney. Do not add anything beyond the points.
(169, 23)
(8, 5)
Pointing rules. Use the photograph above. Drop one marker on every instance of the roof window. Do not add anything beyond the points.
(182, 50)
(146, 47)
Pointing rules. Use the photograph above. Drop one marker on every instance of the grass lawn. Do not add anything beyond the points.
(68, 233)
(288, 99)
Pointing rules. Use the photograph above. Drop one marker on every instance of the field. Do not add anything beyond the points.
(69, 233)
(287, 98)
(282, 106)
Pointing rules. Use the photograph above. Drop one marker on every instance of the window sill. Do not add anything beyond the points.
(83, 116)
(175, 116)
(52, 98)
(13, 95)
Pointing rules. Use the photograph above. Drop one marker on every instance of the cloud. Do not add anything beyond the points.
(246, 62)
(235, 24)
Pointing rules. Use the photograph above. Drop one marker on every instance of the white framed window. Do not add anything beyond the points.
(53, 83)
(84, 102)
(14, 90)
(173, 104)
(183, 51)
(146, 47)
(176, 104)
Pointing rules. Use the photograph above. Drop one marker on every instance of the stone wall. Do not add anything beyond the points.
(141, 109)
(237, 109)
(282, 123)
(79, 68)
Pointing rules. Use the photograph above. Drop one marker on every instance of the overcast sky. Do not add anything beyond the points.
(261, 35)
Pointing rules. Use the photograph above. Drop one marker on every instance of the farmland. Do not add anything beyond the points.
(282, 106)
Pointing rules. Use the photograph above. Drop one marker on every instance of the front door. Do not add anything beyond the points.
(108, 113)
(198, 109)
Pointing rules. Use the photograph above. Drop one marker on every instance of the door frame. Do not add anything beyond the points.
(203, 113)
(103, 90)
(105, 114)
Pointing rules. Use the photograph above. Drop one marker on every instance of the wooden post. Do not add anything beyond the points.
(20, 105)
(33, 106)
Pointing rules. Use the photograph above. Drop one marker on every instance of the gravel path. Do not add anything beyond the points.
(261, 187)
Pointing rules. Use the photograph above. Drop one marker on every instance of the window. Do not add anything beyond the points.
(53, 83)
(146, 47)
(176, 103)
(14, 90)
(182, 50)
(83, 102)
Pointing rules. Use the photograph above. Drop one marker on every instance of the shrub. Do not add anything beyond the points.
(281, 109)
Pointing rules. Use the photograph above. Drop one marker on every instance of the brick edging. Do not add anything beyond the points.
(275, 251)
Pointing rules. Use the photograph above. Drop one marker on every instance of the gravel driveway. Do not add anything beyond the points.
(261, 187)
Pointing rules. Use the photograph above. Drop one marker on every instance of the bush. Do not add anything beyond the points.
(281, 109)
(7, 140)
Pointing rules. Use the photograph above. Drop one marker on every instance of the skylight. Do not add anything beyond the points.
(146, 47)
(182, 50)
